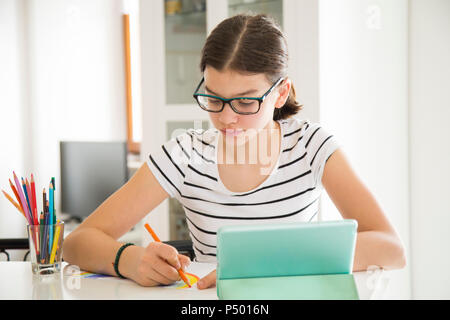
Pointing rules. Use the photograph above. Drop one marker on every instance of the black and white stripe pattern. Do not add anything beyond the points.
(186, 168)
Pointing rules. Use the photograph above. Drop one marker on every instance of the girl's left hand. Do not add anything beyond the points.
(207, 281)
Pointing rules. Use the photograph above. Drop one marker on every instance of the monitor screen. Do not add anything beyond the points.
(90, 173)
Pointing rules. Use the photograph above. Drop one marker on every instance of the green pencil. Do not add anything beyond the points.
(53, 204)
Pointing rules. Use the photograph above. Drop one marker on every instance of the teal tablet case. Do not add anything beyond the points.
(287, 261)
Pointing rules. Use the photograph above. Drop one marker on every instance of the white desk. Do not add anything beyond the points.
(18, 282)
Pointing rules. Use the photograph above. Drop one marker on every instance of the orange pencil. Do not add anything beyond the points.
(155, 237)
(13, 202)
(16, 194)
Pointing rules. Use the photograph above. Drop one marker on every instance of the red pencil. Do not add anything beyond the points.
(27, 185)
(33, 201)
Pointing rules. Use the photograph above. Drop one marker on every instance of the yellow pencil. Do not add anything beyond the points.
(55, 244)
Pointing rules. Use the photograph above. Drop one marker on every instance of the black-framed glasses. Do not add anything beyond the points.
(240, 105)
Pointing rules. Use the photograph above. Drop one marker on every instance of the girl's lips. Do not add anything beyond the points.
(230, 132)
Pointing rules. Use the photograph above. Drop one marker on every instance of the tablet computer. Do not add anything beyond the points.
(286, 249)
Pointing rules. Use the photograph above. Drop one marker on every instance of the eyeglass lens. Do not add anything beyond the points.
(241, 105)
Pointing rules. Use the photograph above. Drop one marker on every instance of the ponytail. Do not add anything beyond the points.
(291, 107)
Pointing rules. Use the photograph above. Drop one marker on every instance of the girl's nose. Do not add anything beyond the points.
(227, 115)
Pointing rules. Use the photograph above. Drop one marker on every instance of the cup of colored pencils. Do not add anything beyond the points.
(45, 231)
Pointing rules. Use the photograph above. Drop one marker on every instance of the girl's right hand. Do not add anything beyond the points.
(156, 264)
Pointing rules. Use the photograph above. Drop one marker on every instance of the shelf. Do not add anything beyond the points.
(253, 3)
(185, 14)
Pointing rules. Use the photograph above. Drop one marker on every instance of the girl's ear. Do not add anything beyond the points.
(283, 91)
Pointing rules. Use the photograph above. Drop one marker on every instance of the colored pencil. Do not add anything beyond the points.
(55, 244)
(58, 222)
(54, 209)
(37, 232)
(22, 198)
(45, 236)
(14, 203)
(17, 195)
(44, 200)
(54, 189)
(155, 237)
(20, 209)
(35, 217)
(33, 200)
(36, 238)
(27, 191)
(50, 216)
(41, 236)
(46, 233)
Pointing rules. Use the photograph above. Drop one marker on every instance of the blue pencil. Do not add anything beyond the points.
(44, 236)
(50, 217)
(24, 186)
(41, 237)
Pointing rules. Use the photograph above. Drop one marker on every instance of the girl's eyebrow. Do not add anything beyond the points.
(237, 95)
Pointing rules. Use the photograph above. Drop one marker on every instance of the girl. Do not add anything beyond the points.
(258, 165)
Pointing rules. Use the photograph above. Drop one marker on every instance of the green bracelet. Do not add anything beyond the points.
(116, 262)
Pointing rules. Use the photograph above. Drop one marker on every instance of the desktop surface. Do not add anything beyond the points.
(18, 282)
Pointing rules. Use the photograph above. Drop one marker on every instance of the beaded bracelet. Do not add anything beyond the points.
(116, 262)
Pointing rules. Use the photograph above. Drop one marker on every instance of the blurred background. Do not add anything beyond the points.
(88, 88)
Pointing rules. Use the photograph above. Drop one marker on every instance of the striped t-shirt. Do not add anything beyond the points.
(186, 167)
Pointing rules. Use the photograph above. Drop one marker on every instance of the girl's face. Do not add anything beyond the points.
(229, 84)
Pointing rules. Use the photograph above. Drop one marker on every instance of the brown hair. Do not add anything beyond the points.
(251, 44)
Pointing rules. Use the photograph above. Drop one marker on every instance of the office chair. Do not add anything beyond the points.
(14, 244)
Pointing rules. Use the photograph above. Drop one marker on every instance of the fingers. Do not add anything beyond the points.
(208, 281)
(168, 253)
(166, 270)
(168, 261)
(161, 263)
(184, 260)
(159, 278)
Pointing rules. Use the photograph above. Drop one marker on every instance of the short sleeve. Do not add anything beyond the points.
(320, 145)
(168, 163)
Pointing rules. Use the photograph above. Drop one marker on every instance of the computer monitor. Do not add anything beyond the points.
(90, 173)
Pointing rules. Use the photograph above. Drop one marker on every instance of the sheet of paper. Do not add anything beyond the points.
(194, 272)
(86, 285)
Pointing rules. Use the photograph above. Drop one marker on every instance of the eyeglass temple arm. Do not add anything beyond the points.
(199, 85)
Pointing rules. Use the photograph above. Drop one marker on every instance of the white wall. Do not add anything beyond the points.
(429, 100)
(62, 78)
(12, 99)
(76, 74)
(153, 81)
(364, 103)
(362, 96)
(301, 28)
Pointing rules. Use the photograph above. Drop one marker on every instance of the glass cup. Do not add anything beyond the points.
(46, 242)
(47, 287)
